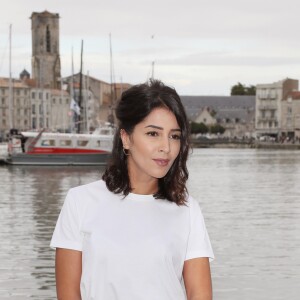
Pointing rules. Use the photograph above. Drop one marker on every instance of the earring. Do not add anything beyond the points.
(126, 151)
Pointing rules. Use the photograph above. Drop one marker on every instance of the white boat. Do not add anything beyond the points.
(49, 148)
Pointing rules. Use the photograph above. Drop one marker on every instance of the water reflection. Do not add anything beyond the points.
(250, 200)
(31, 198)
(251, 203)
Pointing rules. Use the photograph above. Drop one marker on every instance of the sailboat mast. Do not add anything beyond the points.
(10, 104)
(111, 72)
(80, 87)
(72, 93)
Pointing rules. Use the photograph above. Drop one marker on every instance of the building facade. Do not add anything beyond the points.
(45, 49)
(291, 116)
(102, 97)
(269, 98)
(15, 106)
(235, 113)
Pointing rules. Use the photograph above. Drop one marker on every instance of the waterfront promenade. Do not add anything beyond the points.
(243, 143)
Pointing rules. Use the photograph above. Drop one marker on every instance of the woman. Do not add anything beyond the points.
(136, 234)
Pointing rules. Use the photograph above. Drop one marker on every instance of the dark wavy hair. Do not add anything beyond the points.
(135, 104)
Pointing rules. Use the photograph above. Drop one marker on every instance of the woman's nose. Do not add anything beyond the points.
(165, 145)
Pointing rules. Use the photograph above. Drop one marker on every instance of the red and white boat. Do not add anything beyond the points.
(49, 148)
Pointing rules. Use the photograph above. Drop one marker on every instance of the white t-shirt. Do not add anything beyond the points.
(133, 248)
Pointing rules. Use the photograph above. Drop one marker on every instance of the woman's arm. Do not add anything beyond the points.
(197, 279)
(68, 267)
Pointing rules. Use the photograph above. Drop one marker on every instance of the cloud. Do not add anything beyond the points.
(230, 59)
(216, 43)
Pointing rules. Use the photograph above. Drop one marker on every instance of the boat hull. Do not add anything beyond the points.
(88, 159)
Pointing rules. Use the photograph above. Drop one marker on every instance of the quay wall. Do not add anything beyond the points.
(238, 144)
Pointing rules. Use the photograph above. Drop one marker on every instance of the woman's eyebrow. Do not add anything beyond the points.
(161, 128)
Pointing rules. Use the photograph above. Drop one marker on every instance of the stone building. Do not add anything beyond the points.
(60, 113)
(235, 113)
(205, 116)
(269, 100)
(45, 49)
(32, 107)
(102, 96)
(15, 107)
(291, 115)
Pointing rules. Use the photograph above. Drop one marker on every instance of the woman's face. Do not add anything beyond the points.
(153, 145)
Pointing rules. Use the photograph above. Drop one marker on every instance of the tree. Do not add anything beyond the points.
(217, 128)
(251, 90)
(241, 89)
(198, 128)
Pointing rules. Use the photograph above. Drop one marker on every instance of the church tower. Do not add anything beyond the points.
(45, 49)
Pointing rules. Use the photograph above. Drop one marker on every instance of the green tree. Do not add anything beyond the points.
(251, 90)
(217, 128)
(241, 89)
(198, 128)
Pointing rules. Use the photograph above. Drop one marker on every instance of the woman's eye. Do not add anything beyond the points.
(152, 133)
(175, 137)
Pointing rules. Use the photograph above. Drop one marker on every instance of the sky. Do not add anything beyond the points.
(200, 47)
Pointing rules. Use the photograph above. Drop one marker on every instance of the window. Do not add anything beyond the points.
(262, 93)
(67, 101)
(82, 143)
(53, 100)
(3, 101)
(65, 143)
(34, 123)
(40, 95)
(4, 122)
(33, 95)
(33, 108)
(272, 93)
(40, 109)
(48, 143)
(18, 92)
(48, 39)
(59, 100)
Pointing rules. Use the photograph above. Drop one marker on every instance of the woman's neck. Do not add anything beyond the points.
(143, 187)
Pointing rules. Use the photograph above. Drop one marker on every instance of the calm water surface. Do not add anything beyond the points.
(250, 200)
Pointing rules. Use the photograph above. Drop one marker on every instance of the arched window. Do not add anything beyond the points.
(48, 40)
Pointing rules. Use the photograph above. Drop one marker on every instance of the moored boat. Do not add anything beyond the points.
(54, 148)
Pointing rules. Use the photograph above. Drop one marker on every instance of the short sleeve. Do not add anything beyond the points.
(198, 242)
(67, 230)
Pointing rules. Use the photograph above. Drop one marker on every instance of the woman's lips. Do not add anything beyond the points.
(162, 162)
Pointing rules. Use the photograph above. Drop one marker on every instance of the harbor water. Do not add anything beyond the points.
(250, 200)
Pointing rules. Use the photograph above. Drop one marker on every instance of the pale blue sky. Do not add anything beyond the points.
(199, 47)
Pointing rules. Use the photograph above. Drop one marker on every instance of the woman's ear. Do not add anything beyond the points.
(125, 138)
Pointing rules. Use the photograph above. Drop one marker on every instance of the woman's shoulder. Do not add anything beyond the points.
(88, 187)
(192, 203)
(90, 193)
